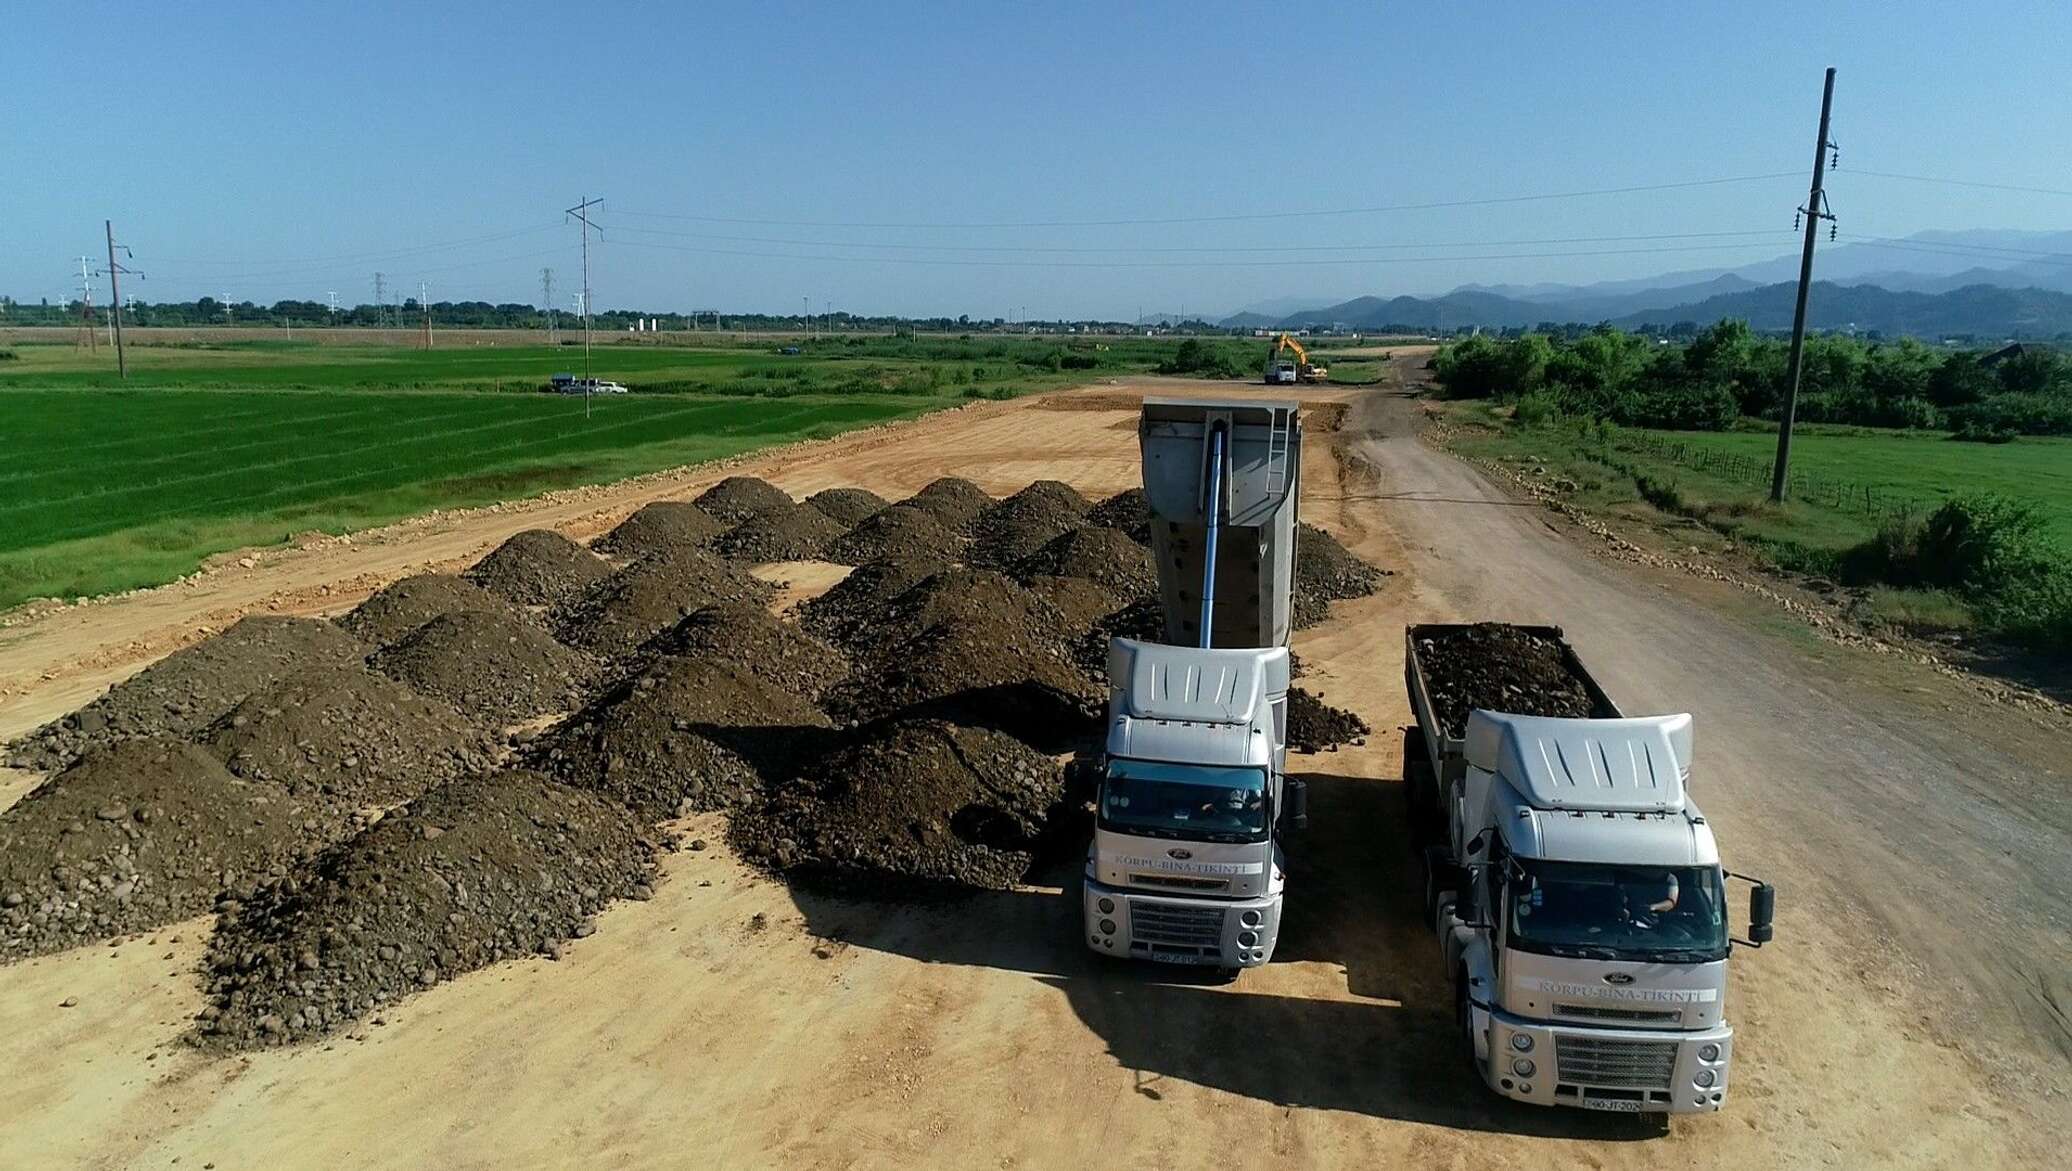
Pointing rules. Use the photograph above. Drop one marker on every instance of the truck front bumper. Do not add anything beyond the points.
(1218, 933)
(1636, 1071)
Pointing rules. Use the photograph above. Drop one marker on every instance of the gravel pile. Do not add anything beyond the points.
(791, 533)
(781, 653)
(1316, 726)
(486, 869)
(1021, 524)
(1080, 600)
(1326, 572)
(402, 606)
(684, 735)
(907, 806)
(136, 835)
(661, 527)
(955, 596)
(847, 505)
(1142, 620)
(899, 533)
(539, 567)
(737, 498)
(649, 596)
(1126, 512)
(499, 668)
(186, 690)
(850, 606)
(954, 502)
(1498, 667)
(345, 739)
(1105, 556)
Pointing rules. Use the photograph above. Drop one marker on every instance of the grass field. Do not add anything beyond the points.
(107, 485)
(1712, 486)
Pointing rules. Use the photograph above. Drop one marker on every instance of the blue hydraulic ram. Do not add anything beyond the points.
(1213, 513)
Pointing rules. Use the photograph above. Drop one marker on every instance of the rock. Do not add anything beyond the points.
(69, 1002)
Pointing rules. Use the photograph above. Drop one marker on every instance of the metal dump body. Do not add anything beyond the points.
(1448, 753)
(1255, 503)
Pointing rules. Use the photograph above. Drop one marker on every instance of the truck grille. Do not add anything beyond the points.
(1170, 926)
(1602, 1061)
(1179, 882)
(1599, 1012)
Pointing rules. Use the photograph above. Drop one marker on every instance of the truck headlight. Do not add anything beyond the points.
(1523, 1066)
(1521, 1042)
(1106, 905)
(1708, 1052)
(1107, 926)
(1251, 918)
(1704, 1079)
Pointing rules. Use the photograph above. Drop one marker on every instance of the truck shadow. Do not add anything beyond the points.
(1354, 903)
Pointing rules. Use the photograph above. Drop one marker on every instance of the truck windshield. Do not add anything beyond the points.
(1187, 801)
(1664, 914)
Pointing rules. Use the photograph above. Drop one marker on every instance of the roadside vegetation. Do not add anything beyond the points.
(106, 485)
(1939, 536)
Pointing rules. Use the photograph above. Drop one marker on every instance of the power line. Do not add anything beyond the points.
(1953, 248)
(1233, 217)
(1963, 183)
(1276, 248)
(1192, 264)
(364, 257)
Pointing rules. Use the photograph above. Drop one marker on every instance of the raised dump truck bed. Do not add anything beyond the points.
(1454, 668)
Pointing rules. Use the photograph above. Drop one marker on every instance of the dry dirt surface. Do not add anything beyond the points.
(1910, 1012)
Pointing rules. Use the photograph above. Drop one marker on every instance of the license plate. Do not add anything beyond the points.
(1617, 1105)
(1170, 958)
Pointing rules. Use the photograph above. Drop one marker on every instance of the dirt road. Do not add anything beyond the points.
(738, 1024)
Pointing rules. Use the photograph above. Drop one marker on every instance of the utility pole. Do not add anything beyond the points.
(86, 304)
(581, 213)
(1816, 210)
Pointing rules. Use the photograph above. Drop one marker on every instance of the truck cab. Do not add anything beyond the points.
(1587, 928)
(1186, 864)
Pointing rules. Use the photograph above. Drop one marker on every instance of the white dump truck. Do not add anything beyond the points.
(1577, 893)
(1186, 864)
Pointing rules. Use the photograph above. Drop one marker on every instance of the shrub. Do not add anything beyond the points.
(1537, 409)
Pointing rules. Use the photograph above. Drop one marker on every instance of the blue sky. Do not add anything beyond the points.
(290, 149)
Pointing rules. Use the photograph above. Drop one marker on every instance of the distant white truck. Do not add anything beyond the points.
(570, 384)
(1579, 899)
(1186, 864)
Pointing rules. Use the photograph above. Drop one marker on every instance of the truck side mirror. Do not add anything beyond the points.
(1297, 793)
(1476, 845)
(1762, 905)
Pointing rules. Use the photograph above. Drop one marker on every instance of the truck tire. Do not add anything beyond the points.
(1464, 1022)
(1441, 877)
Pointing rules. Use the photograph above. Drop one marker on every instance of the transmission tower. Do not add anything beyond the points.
(381, 300)
(581, 213)
(547, 300)
(86, 304)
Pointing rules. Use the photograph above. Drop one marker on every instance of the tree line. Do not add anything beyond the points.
(1727, 371)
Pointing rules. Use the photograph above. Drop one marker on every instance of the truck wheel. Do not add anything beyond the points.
(1464, 1019)
(1440, 879)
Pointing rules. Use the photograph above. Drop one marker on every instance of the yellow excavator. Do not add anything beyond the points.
(1281, 371)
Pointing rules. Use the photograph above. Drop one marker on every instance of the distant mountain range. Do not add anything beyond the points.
(1981, 283)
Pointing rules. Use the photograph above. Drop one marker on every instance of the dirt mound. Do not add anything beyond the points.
(779, 652)
(1125, 512)
(684, 735)
(663, 526)
(848, 505)
(1143, 620)
(539, 567)
(499, 668)
(1498, 667)
(954, 502)
(187, 689)
(1316, 726)
(136, 835)
(842, 613)
(345, 738)
(975, 647)
(1106, 556)
(1326, 572)
(737, 498)
(791, 533)
(1024, 522)
(488, 868)
(901, 532)
(402, 606)
(636, 603)
(1080, 600)
(912, 803)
